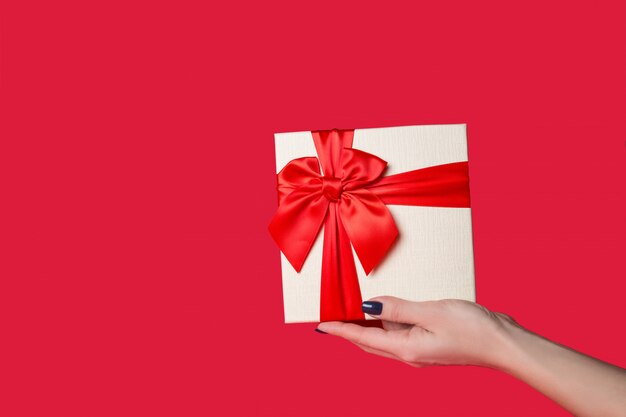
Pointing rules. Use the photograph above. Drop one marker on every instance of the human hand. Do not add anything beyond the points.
(458, 332)
(443, 332)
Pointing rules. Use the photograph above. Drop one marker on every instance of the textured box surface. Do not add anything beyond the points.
(433, 255)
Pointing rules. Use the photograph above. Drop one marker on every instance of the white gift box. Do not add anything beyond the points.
(433, 255)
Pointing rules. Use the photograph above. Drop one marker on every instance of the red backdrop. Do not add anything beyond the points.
(137, 274)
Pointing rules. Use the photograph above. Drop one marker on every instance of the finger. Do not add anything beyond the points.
(391, 325)
(373, 337)
(398, 310)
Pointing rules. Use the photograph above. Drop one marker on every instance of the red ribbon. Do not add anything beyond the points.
(350, 200)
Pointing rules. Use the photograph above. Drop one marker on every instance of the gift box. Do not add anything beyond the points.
(370, 212)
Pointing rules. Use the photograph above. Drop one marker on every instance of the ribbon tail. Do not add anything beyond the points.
(340, 291)
(369, 225)
(297, 223)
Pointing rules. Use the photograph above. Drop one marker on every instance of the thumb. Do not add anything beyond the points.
(401, 311)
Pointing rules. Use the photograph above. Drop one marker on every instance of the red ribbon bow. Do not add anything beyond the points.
(350, 199)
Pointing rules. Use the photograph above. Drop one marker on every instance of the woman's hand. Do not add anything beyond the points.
(457, 332)
(444, 332)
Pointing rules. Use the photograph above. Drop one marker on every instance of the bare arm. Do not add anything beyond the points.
(457, 332)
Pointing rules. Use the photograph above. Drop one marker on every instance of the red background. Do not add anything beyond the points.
(137, 274)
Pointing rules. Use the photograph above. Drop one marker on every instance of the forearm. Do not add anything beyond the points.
(580, 384)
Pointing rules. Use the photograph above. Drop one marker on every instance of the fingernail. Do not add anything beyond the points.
(372, 307)
(320, 331)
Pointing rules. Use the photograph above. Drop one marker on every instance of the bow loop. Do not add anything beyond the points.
(296, 173)
(360, 168)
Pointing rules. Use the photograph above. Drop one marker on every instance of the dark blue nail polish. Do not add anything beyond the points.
(320, 331)
(372, 307)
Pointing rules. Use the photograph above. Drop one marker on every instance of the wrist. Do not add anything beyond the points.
(507, 343)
